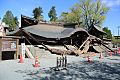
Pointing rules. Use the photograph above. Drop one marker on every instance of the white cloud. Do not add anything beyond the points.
(118, 2)
(111, 3)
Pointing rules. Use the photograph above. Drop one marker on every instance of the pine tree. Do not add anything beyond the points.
(10, 20)
(52, 14)
(37, 13)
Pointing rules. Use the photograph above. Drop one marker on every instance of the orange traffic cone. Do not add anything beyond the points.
(119, 51)
(36, 62)
(21, 59)
(89, 59)
(101, 56)
(115, 51)
(110, 53)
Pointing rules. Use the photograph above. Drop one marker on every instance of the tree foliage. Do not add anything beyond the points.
(88, 12)
(69, 18)
(108, 32)
(10, 20)
(16, 21)
(64, 17)
(52, 14)
(37, 13)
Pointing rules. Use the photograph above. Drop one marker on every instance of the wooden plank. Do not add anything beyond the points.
(86, 47)
(17, 48)
(29, 53)
(84, 42)
(28, 34)
(98, 39)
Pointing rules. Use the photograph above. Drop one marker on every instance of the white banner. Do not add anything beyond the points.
(23, 50)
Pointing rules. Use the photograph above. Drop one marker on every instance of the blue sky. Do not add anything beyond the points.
(25, 7)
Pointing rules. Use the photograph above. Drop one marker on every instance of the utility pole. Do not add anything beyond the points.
(118, 30)
(118, 36)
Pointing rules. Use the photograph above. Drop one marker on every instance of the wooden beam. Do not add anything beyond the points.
(28, 53)
(84, 42)
(28, 34)
(98, 39)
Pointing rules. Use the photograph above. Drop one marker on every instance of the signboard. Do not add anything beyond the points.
(23, 50)
(9, 45)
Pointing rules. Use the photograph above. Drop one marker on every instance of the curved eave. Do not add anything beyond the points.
(99, 29)
(58, 35)
(53, 35)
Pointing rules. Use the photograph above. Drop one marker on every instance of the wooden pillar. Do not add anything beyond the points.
(71, 41)
(17, 48)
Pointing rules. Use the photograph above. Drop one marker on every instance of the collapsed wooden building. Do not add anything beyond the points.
(56, 34)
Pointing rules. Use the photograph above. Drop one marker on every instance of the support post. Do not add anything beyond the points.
(65, 61)
(57, 62)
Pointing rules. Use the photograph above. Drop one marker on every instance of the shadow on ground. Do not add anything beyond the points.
(77, 71)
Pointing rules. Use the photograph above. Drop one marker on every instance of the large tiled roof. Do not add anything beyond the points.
(51, 31)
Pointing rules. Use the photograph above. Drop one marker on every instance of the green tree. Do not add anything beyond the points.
(10, 20)
(64, 17)
(37, 13)
(108, 33)
(52, 14)
(69, 18)
(16, 21)
(88, 12)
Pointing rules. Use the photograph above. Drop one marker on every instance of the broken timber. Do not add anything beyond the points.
(98, 39)
(84, 42)
(57, 51)
(78, 51)
(68, 51)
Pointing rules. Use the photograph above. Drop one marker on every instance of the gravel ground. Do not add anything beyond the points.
(77, 69)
